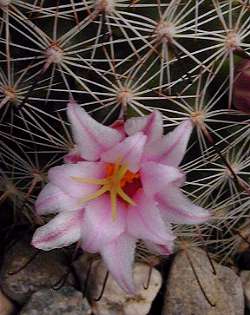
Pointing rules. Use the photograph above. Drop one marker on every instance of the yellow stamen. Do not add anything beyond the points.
(117, 177)
(122, 171)
(117, 164)
(125, 197)
(95, 195)
(93, 181)
(113, 203)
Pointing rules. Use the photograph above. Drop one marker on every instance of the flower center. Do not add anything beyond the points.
(119, 182)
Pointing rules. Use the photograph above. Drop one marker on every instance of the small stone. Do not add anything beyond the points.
(44, 271)
(245, 279)
(6, 306)
(114, 300)
(233, 287)
(66, 301)
(184, 295)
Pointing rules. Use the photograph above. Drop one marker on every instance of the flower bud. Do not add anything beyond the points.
(241, 92)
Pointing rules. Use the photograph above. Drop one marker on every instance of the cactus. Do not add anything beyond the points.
(121, 59)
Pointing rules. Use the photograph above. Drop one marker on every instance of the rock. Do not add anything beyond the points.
(184, 295)
(245, 279)
(6, 306)
(66, 301)
(233, 287)
(42, 272)
(114, 300)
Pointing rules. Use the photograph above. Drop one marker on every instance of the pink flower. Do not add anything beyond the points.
(126, 188)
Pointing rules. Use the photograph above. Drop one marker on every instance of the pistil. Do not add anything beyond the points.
(113, 183)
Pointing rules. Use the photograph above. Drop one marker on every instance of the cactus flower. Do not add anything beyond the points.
(127, 187)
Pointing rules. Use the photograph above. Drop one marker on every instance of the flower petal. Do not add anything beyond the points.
(63, 177)
(160, 249)
(171, 148)
(151, 125)
(99, 228)
(145, 222)
(118, 125)
(119, 256)
(91, 137)
(61, 231)
(177, 208)
(51, 200)
(128, 152)
(155, 177)
(73, 156)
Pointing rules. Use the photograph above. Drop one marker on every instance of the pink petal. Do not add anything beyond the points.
(160, 249)
(171, 148)
(63, 230)
(177, 208)
(99, 228)
(128, 152)
(119, 256)
(119, 126)
(145, 222)
(91, 137)
(73, 156)
(151, 125)
(61, 176)
(155, 177)
(51, 200)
